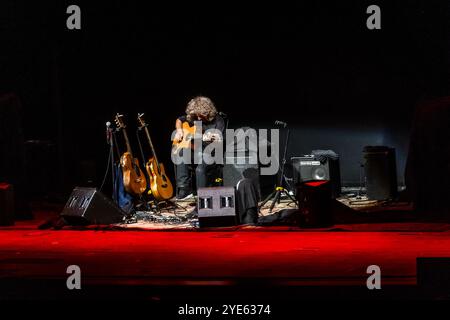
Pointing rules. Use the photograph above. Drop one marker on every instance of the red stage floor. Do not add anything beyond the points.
(216, 258)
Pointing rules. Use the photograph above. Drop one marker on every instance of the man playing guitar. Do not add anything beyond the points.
(198, 109)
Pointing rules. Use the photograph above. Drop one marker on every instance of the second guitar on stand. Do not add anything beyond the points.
(160, 186)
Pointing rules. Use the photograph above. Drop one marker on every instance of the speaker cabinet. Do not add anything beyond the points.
(314, 203)
(308, 168)
(381, 172)
(89, 206)
(238, 168)
(6, 204)
(216, 206)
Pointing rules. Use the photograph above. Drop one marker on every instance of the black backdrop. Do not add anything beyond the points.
(313, 64)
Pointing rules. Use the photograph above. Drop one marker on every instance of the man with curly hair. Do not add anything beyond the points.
(198, 109)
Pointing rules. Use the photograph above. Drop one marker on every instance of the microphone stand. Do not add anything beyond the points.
(110, 141)
(280, 191)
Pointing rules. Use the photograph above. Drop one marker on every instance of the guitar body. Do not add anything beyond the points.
(188, 136)
(160, 186)
(133, 178)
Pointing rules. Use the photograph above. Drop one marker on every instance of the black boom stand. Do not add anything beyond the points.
(280, 191)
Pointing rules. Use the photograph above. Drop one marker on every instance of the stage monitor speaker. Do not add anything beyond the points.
(238, 168)
(89, 206)
(381, 172)
(314, 203)
(308, 168)
(216, 206)
(6, 204)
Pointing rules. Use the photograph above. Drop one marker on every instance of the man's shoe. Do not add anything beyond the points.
(184, 195)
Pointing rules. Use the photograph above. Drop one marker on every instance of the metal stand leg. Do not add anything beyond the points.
(267, 199)
(289, 196)
(276, 199)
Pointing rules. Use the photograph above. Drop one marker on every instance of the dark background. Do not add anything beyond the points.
(313, 64)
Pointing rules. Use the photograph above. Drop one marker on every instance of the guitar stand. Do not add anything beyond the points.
(143, 203)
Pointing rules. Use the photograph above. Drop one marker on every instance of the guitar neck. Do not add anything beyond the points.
(151, 145)
(127, 142)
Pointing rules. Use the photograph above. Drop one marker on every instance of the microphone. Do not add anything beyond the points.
(280, 123)
(108, 132)
(222, 114)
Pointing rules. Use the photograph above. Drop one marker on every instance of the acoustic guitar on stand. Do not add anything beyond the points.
(160, 186)
(134, 179)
